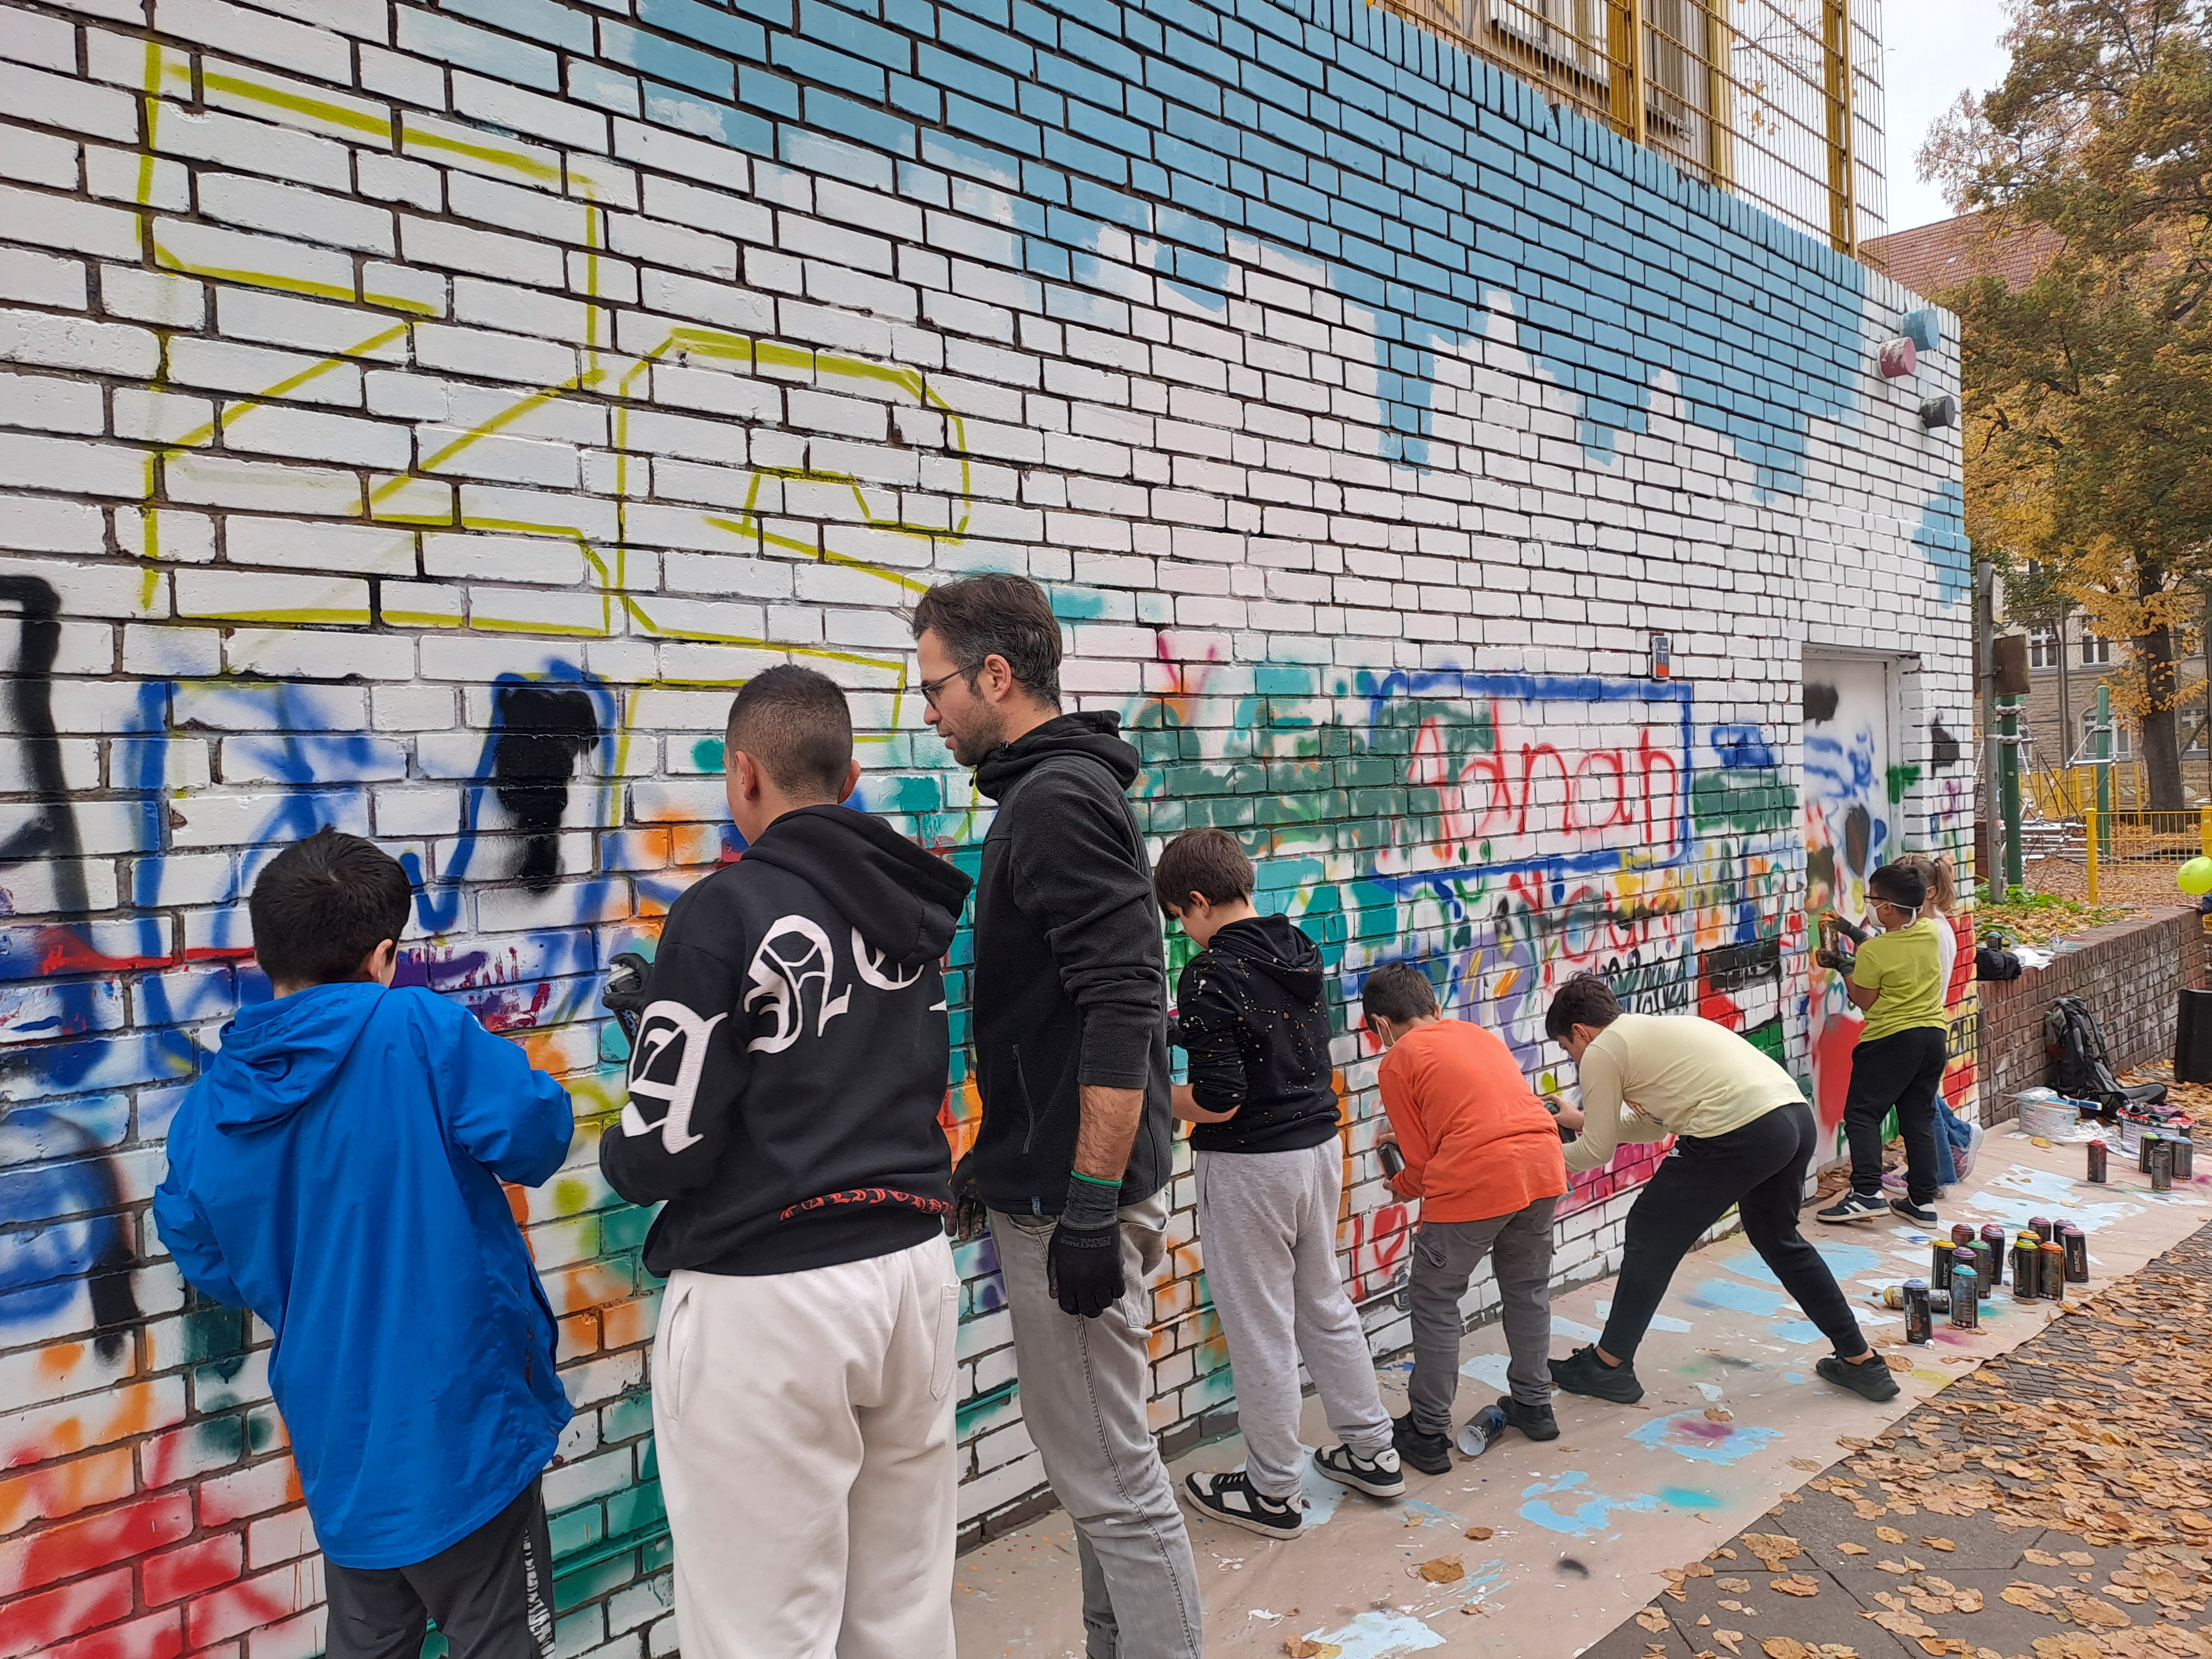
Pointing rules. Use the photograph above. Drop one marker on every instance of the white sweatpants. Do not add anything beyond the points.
(803, 1424)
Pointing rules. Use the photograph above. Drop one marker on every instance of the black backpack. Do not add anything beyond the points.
(2081, 1067)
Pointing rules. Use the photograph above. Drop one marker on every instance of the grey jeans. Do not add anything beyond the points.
(1445, 1256)
(1086, 1387)
(1268, 1224)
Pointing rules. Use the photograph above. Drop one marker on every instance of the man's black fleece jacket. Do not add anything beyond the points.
(1071, 970)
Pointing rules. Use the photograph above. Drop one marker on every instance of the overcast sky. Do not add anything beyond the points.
(1934, 52)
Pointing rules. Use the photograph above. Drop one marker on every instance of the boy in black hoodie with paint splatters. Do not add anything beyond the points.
(1261, 1093)
(784, 1079)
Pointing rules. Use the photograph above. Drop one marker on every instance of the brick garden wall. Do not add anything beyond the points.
(419, 419)
(2128, 974)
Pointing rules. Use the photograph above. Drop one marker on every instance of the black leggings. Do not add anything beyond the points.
(1760, 1168)
(1904, 1070)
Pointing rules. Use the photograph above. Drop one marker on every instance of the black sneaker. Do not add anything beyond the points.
(1583, 1372)
(1230, 1498)
(1853, 1206)
(1379, 1476)
(1428, 1453)
(1535, 1421)
(1920, 1215)
(1871, 1381)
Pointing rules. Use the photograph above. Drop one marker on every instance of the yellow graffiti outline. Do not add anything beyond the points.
(758, 355)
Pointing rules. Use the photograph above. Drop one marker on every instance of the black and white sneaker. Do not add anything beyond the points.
(1853, 1206)
(1920, 1215)
(1379, 1476)
(1230, 1498)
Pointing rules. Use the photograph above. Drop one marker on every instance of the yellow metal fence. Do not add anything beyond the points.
(2123, 837)
(1779, 101)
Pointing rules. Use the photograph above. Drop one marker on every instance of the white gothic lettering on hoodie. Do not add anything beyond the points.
(668, 1030)
(781, 977)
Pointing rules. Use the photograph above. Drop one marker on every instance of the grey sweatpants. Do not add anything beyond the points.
(1085, 1385)
(1445, 1256)
(1267, 1222)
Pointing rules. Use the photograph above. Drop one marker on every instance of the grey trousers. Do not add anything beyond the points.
(1085, 1389)
(1445, 1256)
(1268, 1224)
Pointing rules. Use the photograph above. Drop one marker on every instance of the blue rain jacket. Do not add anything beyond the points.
(337, 1171)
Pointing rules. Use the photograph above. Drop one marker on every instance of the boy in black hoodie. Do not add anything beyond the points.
(784, 1079)
(1250, 1012)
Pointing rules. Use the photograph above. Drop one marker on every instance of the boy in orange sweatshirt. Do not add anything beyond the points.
(1482, 1154)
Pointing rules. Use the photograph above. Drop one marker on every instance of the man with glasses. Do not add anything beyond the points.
(1076, 1145)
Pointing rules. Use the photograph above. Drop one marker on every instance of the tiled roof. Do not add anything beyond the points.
(1934, 258)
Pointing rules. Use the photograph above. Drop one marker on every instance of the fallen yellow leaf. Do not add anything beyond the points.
(1852, 1549)
(1795, 1584)
(1477, 1533)
(1889, 1535)
(1785, 1647)
(1651, 1619)
(1943, 1544)
(1444, 1570)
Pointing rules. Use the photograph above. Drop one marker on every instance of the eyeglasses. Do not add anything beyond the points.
(929, 689)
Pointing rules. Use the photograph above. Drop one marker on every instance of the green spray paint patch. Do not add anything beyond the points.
(1901, 778)
(984, 1411)
(1756, 801)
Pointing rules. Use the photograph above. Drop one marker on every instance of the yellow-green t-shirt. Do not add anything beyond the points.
(1906, 966)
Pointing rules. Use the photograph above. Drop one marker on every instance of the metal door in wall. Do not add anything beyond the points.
(1851, 825)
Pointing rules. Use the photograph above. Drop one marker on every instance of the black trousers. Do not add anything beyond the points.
(1904, 1070)
(1760, 1169)
(491, 1593)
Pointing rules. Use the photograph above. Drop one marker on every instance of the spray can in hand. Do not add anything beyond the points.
(1392, 1160)
(624, 993)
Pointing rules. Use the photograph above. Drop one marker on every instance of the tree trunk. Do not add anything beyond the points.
(2161, 740)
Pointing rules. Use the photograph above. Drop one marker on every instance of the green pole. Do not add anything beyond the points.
(2104, 771)
(2008, 784)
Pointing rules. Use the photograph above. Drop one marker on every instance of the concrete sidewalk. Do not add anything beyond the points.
(1577, 1531)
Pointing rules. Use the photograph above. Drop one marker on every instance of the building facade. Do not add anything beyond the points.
(420, 419)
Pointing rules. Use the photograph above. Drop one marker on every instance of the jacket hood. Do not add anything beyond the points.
(277, 1055)
(1278, 947)
(904, 901)
(1089, 732)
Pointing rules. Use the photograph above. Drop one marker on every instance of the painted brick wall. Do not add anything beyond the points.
(419, 418)
(2128, 972)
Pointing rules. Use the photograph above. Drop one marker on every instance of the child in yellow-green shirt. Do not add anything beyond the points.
(1896, 980)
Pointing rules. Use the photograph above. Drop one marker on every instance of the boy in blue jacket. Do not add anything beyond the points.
(337, 1171)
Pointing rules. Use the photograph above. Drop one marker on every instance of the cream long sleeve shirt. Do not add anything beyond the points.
(1649, 1076)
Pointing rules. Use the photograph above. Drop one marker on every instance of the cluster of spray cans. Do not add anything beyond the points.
(1966, 1269)
(2165, 1155)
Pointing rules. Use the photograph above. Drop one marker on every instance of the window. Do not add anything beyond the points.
(2043, 647)
(2096, 650)
(2123, 738)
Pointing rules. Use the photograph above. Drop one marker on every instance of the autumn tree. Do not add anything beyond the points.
(2089, 390)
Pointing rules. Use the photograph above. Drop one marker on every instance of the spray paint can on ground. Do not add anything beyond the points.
(2150, 1138)
(1995, 1238)
(1990, 1266)
(1962, 1232)
(2100, 1162)
(1965, 1299)
(2184, 1156)
(2027, 1267)
(1919, 1323)
(2159, 1154)
(1482, 1431)
(1939, 1266)
(2073, 1244)
(2054, 1271)
(2043, 1227)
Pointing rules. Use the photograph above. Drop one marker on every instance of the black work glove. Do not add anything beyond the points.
(624, 991)
(1083, 1264)
(1842, 961)
(969, 1218)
